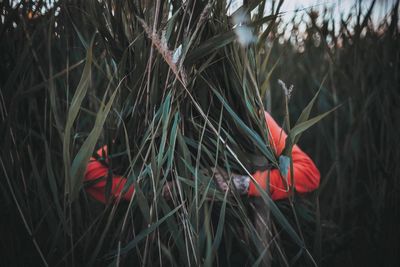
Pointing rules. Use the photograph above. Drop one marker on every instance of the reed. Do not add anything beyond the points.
(174, 89)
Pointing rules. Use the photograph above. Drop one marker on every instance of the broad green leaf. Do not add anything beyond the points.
(300, 128)
(284, 163)
(165, 130)
(72, 114)
(81, 160)
(265, 84)
(172, 141)
(306, 111)
(171, 24)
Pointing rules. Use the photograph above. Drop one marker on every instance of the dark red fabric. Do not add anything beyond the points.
(306, 174)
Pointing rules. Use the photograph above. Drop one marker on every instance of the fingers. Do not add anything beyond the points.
(221, 182)
(242, 183)
(222, 179)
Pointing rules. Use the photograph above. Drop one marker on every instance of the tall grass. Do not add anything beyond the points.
(172, 92)
(354, 148)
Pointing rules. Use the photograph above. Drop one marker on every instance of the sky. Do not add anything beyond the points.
(338, 7)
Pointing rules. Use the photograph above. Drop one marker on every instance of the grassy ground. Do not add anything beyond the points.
(83, 73)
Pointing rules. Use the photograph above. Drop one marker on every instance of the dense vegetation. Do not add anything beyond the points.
(174, 89)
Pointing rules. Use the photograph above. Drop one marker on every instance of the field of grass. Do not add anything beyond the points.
(175, 88)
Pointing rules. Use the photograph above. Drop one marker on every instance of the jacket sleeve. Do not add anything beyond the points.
(95, 180)
(306, 174)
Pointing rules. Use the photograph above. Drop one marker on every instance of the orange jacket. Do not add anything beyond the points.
(306, 174)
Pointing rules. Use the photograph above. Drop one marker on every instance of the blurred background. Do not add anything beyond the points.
(350, 49)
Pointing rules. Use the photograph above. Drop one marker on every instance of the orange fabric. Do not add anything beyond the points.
(306, 174)
(96, 170)
(306, 178)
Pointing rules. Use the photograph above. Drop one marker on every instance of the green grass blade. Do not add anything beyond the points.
(81, 160)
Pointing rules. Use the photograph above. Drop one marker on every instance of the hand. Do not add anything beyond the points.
(221, 178)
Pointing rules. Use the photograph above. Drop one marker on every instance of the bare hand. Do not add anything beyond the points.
(222, 180)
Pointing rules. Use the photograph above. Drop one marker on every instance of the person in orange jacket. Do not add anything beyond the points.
(306, 174)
